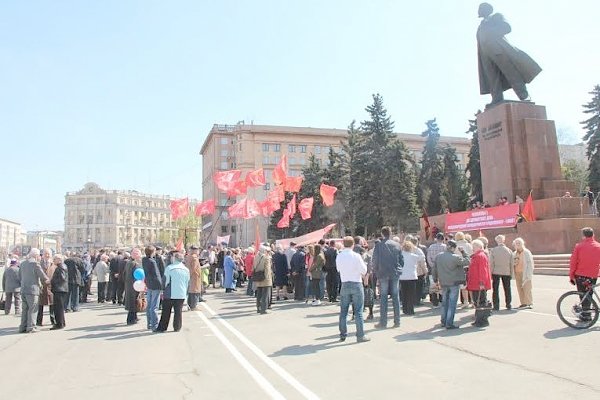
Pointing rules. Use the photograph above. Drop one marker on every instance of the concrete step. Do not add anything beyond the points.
(551, 271)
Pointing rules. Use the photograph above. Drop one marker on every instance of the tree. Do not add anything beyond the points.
(431, 177)
(455, 182)
(592, 138)
(576, 171)
(474, 165)
(188, 227)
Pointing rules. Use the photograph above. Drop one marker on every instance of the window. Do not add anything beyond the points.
(266, 160)
(277, 147)
(224, 165)
(302, 161)
(240, 146)
(267, 186)
(225, 153)
(317, 149)
(291, 148)
(265, 147)
(233, 228)
(292, 161)
(268, 174)
(460, 156)
(302, 148)
(224, 140)
(223, 228)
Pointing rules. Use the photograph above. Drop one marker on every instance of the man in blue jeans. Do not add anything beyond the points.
(449, 273)
(153, 287)
(352, 268)
(387, 265)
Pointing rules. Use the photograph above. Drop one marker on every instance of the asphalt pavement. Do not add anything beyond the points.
(226, 350)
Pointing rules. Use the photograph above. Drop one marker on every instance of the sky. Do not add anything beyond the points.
(123, 93)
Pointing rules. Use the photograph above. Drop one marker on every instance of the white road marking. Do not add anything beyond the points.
(303, 390)
(262, 382)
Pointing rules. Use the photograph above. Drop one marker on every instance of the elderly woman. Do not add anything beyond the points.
(408, 278)
(316, 272)
(479, 278)
(229, 271)
(280, 267)
(59, 285)
(248, 264)
(462, 242)
(131, 295)
(262, 273)
(522, 261)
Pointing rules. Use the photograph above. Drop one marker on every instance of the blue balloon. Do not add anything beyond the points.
(139, 274)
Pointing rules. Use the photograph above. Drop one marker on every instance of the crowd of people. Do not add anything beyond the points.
(353, 271)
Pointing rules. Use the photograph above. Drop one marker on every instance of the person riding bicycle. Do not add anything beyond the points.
(585, 266)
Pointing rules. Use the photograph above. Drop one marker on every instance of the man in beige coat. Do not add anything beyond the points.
(262, 268)
(503, 270)
(192, 262)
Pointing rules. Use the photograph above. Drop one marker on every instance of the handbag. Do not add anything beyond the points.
(2, 302)
(483, 310)
(369, 296)
(140, 303)
(259, 274)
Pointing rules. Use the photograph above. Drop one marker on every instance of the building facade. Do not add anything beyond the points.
(51, 240)
(10, 237)
(99, 218)
(249, 147)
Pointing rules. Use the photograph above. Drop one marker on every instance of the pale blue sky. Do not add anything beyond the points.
(124, 92)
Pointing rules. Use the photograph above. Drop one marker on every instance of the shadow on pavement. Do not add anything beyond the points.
(115, 335)
(568, 332)
(297, 350)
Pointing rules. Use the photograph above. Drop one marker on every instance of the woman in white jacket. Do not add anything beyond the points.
(522, 261)
(408, 279)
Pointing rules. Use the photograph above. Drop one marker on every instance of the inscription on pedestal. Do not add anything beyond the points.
(492, 131)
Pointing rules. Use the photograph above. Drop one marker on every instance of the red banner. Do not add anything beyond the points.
(484, 218)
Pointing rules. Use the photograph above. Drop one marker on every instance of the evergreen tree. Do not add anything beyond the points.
(455, 185)
(592, 137)
(431, 178)
(474, 166)
(313, 177)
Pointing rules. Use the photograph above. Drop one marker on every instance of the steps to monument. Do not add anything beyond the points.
(551, 264)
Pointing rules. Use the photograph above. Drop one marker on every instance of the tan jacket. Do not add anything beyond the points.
(193, 264)
(501, 261)
(263, 262)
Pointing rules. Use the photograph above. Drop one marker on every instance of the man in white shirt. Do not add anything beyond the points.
(352, 268)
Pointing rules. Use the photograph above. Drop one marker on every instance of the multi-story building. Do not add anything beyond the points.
(249, 147)
(51, 240)
(10, 237)
(95, 217)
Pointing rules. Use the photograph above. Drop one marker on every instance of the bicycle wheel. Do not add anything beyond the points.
(571, 312)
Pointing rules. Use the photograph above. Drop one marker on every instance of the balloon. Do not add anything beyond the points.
(139, 274)
(139, 286)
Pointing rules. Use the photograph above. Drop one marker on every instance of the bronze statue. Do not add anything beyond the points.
(501, 65)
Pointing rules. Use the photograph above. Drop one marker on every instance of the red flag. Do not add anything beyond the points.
(252, 209)
(237, 188)
(305, 206)
(280, 193)
(225, 179)
(293, 184)
(427, 226)
(528, 212)
(179, 245)
(291, 207)
(205, 208)
(179, 208)
(327, 193)
(256, 178)
(280, 171)
(284, 222)
(238, 210)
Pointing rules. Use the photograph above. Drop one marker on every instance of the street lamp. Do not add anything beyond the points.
(89, 243)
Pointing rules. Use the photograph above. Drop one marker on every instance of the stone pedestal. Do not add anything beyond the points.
(519, 153)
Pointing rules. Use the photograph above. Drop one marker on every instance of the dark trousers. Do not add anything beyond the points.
(170, 304)
(132, 317)
(299, 286)
(193, 300)
(263, 295)
(60, 298)
(408, 291)
(101, 292)
(40, 314)
(419, 290)
(73, 297)
(584, 284)
(435, 298)
(119, 290)
(316, 288)
(332, 281)
(496, 286)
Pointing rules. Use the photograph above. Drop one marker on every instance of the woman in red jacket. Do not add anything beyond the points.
(479, 279)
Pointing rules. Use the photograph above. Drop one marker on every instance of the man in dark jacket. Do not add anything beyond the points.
(387, 265)
(113, 277)
(153, 287)
(30, 276)
(76, 270)
(333, 276)
(298, 269)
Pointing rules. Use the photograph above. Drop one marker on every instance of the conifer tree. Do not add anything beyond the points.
(474, 165)
(592, 137)
(431, 178)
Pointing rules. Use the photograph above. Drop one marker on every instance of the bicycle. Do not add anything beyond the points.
(579, 310)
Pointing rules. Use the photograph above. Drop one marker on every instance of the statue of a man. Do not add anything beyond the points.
(501, 66)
